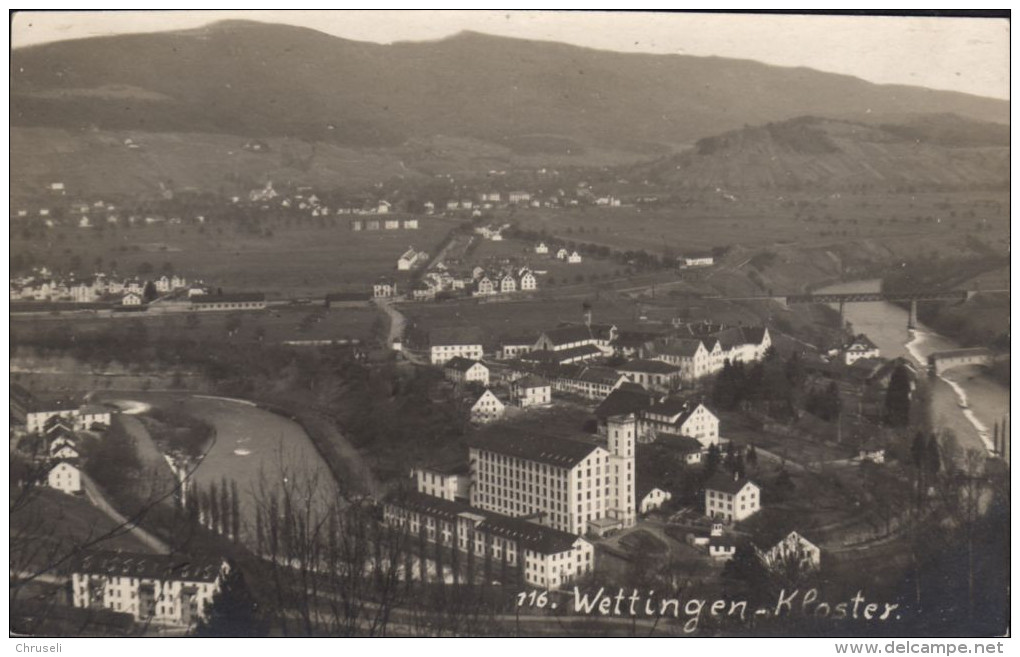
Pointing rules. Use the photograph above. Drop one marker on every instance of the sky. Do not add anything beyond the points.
(970, 55)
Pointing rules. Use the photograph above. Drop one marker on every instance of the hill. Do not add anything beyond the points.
(923, 152)
(261, 80)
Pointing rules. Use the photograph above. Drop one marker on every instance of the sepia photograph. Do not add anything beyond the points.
(505, 323)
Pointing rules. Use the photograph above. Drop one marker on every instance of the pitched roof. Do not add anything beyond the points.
(541, 539)
(674, 406)
(623, 401)
(646, 366)
(551, 450)
(598, 374)
(518, 340)
(461, 364)
(531, 381)
(754, 334)
(568, 334)
(862, 342)
(237, 297)
(682, 444)
(726, 483)
(448, 468)
(148, 566)
(635, 338)
(684, 347)
(459, 335)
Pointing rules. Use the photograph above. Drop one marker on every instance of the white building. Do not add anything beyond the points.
(860, 348)
(575, 486)
(487, 408)
(445, 483)
(409, 260)
(696, 261)
(131, 299)
(384, 289)
(679, 417)
(541, 248)
(545, 557)
(574, 258)
(527, 281)
(792, 548)
(445, 344)
(465, 370)
(64, 477)
(652, 374)
(652, 499)
(530, 391)
(731, 498)
(165, 590)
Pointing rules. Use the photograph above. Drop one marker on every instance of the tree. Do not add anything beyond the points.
(897, 398)
(712, 459)
(235, 512)
(149, 292)
(752, 457)
(233, 611)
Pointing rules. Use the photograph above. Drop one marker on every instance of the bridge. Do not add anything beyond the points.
(940, 361)
(864, 297)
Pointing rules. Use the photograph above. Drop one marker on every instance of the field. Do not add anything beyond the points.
(513, 318)
(51, 524)
(299, 260)
(491, 255)
(904, 223)
(273, 325)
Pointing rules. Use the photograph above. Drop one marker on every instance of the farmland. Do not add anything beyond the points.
(295, 260)
(702, 221)
(491, 255)
(277, 324)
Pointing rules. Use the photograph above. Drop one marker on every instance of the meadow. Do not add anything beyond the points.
(285, 260)
(903, 222)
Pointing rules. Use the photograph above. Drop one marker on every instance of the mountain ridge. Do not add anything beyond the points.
(262, 79)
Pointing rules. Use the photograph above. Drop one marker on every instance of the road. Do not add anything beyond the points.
(398, 324)
(98, 500)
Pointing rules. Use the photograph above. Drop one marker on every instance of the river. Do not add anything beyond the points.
(987, 401)
(256, 449)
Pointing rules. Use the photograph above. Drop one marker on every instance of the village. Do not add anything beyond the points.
(593, 446)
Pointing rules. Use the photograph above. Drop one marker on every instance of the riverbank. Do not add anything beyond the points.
(966, 401)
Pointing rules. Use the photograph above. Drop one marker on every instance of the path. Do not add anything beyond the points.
(98, 500)
(398, 324)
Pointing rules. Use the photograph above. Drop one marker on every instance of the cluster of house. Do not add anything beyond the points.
(56, 421)
(570, 257)
(42, 285)
(30, 413)
(168, 590)
(306, 200)
(489, 200)
(567, 359)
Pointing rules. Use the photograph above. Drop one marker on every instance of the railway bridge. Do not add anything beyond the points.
(844, 298)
